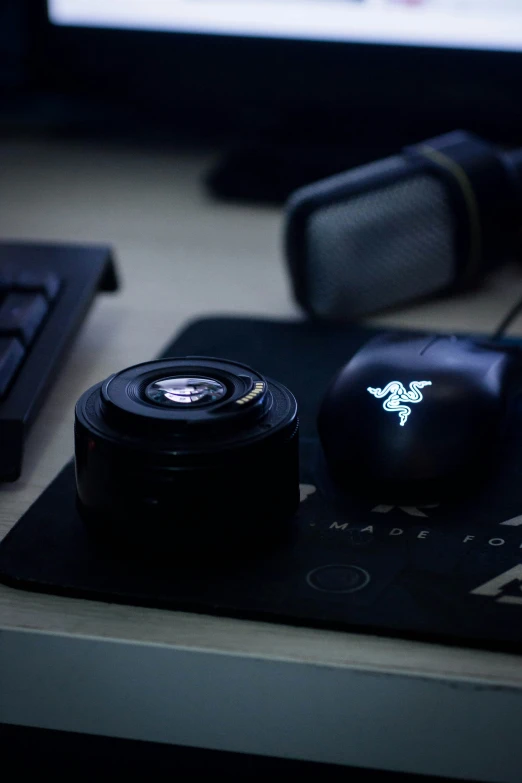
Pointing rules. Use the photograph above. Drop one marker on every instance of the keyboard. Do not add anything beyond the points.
(45, 293)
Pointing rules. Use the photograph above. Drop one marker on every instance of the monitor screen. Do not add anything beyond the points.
(456, 24)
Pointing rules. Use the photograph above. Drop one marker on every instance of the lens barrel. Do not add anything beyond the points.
(192, 450)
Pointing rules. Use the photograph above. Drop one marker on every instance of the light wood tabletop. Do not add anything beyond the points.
(191, 679)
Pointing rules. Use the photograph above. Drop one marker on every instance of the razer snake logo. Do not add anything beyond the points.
(395, 403)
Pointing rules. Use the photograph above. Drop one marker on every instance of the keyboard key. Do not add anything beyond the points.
(11, 356)
(21, 316)
(44, 282)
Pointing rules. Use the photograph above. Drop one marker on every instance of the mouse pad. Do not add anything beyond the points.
(451, 573)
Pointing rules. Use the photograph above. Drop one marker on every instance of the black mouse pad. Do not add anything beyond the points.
(451, 573)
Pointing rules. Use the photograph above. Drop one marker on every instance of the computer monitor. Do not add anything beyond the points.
(365, 74)
(458, 24)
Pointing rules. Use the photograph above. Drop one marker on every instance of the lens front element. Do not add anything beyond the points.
(185, 391)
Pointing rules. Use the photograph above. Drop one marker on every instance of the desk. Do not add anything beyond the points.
(188, 679)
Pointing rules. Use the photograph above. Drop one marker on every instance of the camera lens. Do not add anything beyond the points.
(192, 451)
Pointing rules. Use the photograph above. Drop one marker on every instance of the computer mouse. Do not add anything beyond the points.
(416, 418)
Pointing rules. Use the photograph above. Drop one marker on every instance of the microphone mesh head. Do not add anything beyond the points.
(379, 248)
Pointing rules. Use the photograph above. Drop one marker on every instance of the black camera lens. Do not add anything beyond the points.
(195, 451)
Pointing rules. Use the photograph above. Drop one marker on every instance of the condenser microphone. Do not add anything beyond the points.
(429, 221)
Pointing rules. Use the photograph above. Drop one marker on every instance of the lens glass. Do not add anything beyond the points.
(185, 391)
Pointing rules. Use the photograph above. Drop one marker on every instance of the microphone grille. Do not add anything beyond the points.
(379, 247)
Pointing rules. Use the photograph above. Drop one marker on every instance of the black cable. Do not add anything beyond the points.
(507, 320)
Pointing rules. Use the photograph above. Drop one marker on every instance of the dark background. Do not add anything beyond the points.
(284, 112)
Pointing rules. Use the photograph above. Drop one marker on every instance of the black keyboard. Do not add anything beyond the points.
(45, 292)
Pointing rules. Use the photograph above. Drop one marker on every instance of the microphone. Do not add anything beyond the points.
(432, 220)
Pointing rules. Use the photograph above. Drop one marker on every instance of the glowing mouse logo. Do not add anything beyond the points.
(399, 396)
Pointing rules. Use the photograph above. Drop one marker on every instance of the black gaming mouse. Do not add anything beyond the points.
(415, 419)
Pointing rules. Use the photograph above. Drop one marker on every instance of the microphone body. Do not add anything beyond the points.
(432, 220)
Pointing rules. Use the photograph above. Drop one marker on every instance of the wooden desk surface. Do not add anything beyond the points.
(182, 255)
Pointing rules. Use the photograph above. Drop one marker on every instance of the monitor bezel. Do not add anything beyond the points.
(195, 78)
